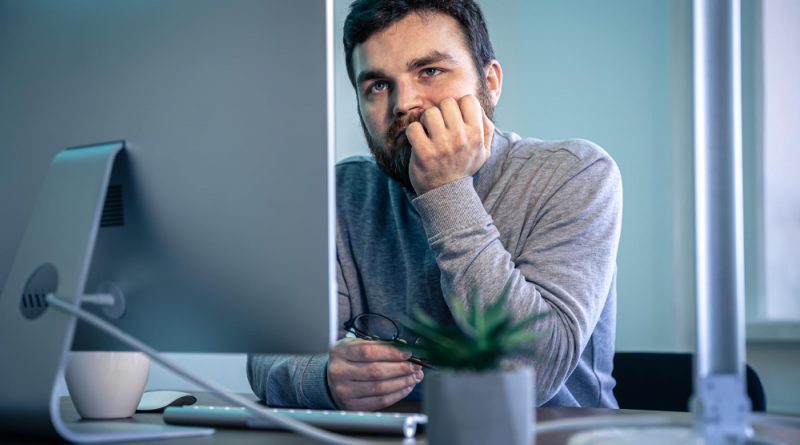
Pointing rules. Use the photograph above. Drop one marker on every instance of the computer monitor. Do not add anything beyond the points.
(218, 222)
(223, 239)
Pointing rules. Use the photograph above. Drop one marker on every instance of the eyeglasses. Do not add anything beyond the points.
(372, 326)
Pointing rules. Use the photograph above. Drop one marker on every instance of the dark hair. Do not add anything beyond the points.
(367, 17)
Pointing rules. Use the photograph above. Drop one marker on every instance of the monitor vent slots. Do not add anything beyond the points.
(113, 209)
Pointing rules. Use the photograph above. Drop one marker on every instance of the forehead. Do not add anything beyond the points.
(414, 36)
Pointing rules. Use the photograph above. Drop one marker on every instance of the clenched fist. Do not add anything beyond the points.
(451, 141)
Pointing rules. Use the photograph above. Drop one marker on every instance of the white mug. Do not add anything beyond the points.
(106, 385)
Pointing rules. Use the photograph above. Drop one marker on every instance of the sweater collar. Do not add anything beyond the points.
(487, 175)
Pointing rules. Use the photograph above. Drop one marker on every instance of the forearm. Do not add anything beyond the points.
(290, 380)
(563, 266)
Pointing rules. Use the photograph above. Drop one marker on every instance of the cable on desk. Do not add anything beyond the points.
(219, 390)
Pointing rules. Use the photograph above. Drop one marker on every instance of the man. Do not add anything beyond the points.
(447, 204)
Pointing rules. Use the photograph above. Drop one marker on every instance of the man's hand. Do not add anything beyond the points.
(367, 375)
(450, 142)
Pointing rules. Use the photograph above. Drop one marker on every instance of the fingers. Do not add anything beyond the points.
(451, 114)
(370, 372)
(461, 117)
(361, 389)
(415, 133)
(367, 375)
(452, 140)
(471, 111)
(370, 351)
(433, 121)
(377, 402)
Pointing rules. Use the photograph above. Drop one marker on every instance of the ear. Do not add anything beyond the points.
(494, 80)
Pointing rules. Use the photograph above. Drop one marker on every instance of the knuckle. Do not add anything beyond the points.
(337, 353)
(430, 113)
(374, 372)
(380, 388)
(371, 353)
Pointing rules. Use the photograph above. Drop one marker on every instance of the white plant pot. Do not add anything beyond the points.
(480, 408)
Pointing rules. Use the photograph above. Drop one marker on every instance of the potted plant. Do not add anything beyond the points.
(473, 395)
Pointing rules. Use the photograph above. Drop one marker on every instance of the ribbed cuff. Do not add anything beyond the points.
(314, 385)
(451, 207)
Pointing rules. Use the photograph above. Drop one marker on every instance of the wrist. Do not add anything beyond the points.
(329, 388)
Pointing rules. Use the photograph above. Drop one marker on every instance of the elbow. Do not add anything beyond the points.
(559, 356)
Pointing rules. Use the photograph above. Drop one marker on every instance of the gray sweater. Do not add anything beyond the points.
(542, 216)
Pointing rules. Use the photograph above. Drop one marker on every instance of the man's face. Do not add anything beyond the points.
(405, 69)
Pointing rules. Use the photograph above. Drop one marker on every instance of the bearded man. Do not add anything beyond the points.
(447, 204)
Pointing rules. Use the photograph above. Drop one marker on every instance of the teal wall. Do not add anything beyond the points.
(602, 71)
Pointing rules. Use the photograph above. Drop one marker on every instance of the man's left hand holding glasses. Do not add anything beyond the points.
(367, 374)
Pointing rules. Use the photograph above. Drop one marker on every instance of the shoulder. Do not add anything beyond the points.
(358, 172)
(356, 165)
(361, 184)
(574, 152)
(563, 159)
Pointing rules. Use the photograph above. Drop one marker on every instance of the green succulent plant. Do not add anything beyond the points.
(478, 340)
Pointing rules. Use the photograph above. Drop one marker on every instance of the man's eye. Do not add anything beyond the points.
(377, 87)
(430, 72)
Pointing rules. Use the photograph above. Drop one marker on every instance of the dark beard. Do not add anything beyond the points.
(393, 153)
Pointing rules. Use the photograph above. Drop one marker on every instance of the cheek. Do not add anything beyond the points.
(455, 89)
(374, 119)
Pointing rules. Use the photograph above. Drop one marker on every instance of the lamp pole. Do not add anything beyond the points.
(721, 407)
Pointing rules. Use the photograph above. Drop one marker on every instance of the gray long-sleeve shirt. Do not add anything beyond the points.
(542, 216)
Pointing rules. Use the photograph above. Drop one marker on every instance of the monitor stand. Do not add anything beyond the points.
(54, 257)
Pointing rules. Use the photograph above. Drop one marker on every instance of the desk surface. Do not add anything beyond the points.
(783, 429)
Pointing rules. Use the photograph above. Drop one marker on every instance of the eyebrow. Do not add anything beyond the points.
(369, 75)
(428, 59)
(413, 64)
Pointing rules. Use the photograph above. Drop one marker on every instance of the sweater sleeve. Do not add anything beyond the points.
(295, 381)
(563, 265)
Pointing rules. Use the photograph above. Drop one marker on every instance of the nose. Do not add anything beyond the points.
(407, 98)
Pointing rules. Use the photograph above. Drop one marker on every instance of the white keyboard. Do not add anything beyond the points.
(404, 424)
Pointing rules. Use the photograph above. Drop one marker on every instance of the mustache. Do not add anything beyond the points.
(399, 125)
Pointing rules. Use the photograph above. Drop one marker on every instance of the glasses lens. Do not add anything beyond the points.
(376, 326)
